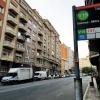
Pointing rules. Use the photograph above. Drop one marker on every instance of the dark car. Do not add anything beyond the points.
(0, 78)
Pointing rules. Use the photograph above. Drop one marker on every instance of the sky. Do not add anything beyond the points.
(59, 13)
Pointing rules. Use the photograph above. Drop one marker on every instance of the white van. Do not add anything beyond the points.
(40, 75)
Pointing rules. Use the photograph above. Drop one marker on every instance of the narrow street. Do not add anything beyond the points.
(55, 89)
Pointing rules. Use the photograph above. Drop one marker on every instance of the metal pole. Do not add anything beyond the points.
(77, 80)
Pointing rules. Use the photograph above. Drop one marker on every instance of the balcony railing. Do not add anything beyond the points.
(21, 38)
(12, 19)
(20, 48)
(24, 18)
(18, 60)
(23, 27)
(13, 8)
(39, 56)
(10, 31)
(9, 44)
(40, 39)
(39, 47)
(7, 57)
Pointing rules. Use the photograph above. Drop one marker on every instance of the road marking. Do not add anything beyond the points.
(84, 97)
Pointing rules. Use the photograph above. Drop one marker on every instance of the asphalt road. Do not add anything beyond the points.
(55, 89)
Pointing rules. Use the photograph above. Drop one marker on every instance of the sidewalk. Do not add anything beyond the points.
(92, 93)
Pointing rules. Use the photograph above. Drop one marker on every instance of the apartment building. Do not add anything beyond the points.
(84, 62)
(53, 48)
(70, 58)
(26, 39)
(63, 58)
(66, 59)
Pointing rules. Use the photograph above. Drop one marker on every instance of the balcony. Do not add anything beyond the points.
(10, 31)
(12, 20)
(13, 9)
(39, 56)
(22, 27)
(23, 18)
(18, 61)
(8, 44)
(40, 40)
(21, 38)
(39, 47)
(38, 64)
(7, 57)
(20, 48)
(40, 33)
(18, 58)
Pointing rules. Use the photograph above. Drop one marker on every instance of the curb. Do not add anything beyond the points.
(85, 94)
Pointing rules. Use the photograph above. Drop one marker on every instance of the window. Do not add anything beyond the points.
(34, 26)
(30, 22)
(29, 30)
(40, 23)
(22, 14)
(35, 18)
(6, 52)
(30, 12)
(1, 10)
(13, 4)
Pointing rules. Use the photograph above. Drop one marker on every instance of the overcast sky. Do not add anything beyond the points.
(59, 13)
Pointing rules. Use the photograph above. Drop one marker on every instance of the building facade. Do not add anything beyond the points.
(63, 58)
(53, 48)
(84, 62)
(66, 59)
(25, 38)
(70, 59)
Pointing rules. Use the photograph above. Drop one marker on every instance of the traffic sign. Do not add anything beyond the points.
(88, 22)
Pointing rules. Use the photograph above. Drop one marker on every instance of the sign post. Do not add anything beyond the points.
(86, 26)
(77, 80)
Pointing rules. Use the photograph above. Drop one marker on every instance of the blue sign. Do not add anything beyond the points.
(82, 37)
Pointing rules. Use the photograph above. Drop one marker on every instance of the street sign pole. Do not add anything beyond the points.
(77, 80)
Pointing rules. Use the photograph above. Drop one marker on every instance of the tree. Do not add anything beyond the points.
(88, 70)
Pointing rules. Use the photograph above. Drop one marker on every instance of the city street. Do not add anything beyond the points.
(55, 89)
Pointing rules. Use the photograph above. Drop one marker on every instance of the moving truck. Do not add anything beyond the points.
(17, 75)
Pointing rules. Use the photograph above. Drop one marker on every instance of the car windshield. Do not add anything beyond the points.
(11, 74)
(36, 73)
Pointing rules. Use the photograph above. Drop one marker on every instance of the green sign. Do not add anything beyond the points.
(82, 15)
(81, 31)
(88, 22)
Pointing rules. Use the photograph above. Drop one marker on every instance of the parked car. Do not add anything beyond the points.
(1, 78)
(56, 76)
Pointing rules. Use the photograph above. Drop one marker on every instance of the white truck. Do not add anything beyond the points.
(40, 75)
(17, 75)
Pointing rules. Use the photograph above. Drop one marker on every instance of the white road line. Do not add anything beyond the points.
(84, 97)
